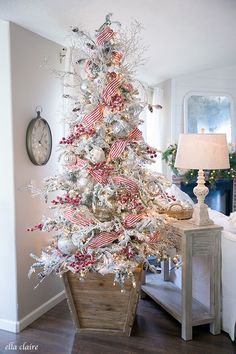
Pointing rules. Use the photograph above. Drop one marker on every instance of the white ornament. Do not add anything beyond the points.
(97, 155)
(85, 86)
(65, 245)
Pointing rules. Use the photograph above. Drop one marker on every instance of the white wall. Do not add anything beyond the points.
(165, 119)
(31, 85)
(8, 293)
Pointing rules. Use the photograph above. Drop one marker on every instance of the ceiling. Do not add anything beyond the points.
(183, 36)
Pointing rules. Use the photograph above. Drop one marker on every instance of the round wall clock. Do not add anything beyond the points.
(39, 140)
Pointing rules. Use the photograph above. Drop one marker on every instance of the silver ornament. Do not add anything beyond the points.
(69, 158)
(84, 184)
(65, 245)
(97, 155)
(85, 86)
(134, 109)
(152, 187)
(121, 129)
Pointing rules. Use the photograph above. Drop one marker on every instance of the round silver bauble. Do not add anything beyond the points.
(97, 155)
(65, 245)
(69, 158)
(120, 129)
(134, 109)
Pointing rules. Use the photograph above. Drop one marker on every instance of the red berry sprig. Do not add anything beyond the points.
(82, 261)
(67, 200)
(117, 102)
(71, 138)
(171, 198)
(128, 252)
(129, 201)
(36, 227)
(101, 169)
(79, 131)
(151, 152)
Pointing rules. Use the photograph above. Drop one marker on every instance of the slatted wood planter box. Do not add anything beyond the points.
(97, 305)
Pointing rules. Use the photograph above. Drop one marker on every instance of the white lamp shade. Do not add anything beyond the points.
(202, 152)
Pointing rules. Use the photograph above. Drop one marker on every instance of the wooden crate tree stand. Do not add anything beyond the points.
(97, 305)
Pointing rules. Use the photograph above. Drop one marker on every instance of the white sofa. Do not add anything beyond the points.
(228, 247)
(229, 283)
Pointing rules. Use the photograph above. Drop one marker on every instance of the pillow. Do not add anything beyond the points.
(222, 220)
(180, 195)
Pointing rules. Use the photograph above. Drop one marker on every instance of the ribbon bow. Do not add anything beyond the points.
(106, 34)
(119, 146)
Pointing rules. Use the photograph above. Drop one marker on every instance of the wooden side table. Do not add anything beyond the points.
(195, 241)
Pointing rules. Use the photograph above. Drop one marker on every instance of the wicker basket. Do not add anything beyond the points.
(177, 211)
(98, 306)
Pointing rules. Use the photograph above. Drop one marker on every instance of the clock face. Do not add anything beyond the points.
(39, 141)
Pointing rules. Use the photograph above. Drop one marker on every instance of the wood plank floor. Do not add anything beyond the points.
(154, 332)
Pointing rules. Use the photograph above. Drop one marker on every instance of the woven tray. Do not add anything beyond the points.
(177, 211)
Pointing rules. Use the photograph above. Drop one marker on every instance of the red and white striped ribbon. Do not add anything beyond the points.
(153, 238)
(105, 35)
(104, 238)
(75, 217)
(132, 219)
(87, 65)
(119, 146)
(110, 90)
(117, 57)
(93, 116)
(79, 164)
(136, 134)
(128, 183)
(97, 174)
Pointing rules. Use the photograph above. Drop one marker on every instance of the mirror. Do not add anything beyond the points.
(210, 112)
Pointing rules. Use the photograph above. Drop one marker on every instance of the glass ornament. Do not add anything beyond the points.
(65, 245)
(121, 129)
(97, 155)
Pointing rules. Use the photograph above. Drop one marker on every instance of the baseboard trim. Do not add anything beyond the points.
(17, 326)
(6, 325)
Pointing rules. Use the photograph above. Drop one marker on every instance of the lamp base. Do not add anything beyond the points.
(200, 215)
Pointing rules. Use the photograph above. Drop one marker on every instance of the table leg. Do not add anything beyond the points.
(143, 295)
(186, 329)
(215, 285)
(165, 273)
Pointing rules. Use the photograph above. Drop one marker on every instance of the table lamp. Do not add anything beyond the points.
(202, 152)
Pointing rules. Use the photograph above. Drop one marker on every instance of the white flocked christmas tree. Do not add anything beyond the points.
(106, 206)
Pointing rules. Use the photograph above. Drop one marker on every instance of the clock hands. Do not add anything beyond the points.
(41, 136)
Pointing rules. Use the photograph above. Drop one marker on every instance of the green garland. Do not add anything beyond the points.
(169, 156)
